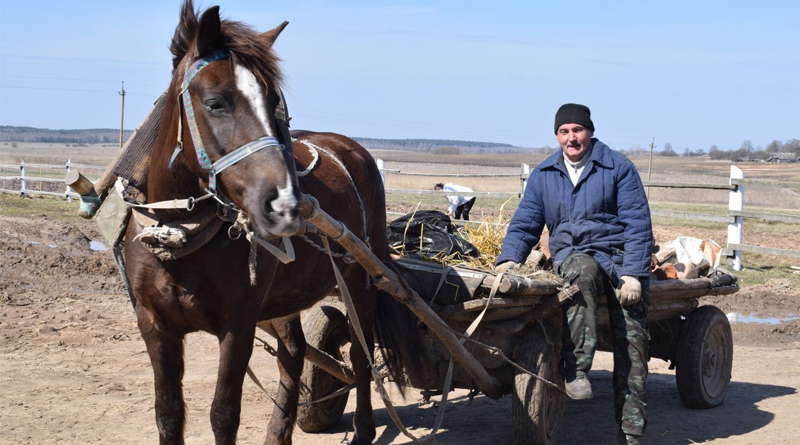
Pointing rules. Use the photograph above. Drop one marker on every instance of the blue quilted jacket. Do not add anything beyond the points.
(605, 215)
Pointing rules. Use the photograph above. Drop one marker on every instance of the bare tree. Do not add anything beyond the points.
(774, 146)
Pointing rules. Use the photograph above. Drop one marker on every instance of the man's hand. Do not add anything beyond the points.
(506, 267)
(629, 290)
(451, 213)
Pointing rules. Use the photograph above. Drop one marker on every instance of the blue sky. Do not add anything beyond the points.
(691, 73)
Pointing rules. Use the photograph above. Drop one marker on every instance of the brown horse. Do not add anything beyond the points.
(223, 108)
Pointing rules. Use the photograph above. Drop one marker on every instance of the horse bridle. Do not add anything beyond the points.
(215, 168)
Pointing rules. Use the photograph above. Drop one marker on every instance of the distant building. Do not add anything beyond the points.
(783, 157)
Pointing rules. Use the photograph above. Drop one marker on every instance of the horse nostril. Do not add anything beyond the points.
(294, 211)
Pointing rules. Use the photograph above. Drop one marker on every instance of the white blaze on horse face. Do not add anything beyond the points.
(249, 86)
(285, 199)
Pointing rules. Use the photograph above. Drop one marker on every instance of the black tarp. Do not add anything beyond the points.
(429, 233)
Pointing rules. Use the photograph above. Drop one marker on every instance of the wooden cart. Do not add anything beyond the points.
(524, 323)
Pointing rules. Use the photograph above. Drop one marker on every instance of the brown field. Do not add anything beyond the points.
(73, 368)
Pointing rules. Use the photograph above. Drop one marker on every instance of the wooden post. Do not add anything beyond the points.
(122, 114)
(22, 190)
(526, 171)
(82, 186)
(736, 203)
(382, 168)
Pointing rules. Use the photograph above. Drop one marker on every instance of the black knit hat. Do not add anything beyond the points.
(574, 114)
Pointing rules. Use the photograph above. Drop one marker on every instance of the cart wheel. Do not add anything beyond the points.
(326, 329)
(705, 358)
(537, 409)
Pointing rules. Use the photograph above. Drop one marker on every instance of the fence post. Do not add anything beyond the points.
(526, 171)
(736, 203)
(381, 167)
(69, 198)
(22, 178)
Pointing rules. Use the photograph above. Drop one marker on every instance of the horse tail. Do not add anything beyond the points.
(399, 337)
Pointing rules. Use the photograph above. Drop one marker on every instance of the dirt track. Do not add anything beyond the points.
(73, 368)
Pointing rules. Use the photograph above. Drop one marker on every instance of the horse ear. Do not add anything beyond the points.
(270, 36)
(184, 33)
(209, 34)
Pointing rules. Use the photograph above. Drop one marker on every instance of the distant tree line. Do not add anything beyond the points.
(437, 146)
(746, 152)
(88, 136)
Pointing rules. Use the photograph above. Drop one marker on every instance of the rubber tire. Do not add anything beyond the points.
(326, 328)
(536, 409)
(704, 359)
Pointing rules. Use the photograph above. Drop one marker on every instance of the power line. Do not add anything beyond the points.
(76, 79)
(73, 89)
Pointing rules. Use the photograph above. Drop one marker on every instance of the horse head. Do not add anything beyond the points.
(231, 129)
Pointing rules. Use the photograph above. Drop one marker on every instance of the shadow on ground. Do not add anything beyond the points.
(488, 422)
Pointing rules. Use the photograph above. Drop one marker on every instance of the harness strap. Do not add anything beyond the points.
(284, 257)
(191, 71)
(243, 152)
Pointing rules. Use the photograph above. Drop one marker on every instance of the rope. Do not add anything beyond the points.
(346, 172)
(315, 157)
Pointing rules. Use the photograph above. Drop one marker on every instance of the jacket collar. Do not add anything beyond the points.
(600, 155)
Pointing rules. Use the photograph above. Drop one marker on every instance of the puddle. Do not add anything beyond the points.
(52, 246)
(761, 318)
(97, 245)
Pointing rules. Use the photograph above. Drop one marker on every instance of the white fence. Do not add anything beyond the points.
(48, 181)
(734, 220)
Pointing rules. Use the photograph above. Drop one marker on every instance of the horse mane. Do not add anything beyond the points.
(248, 47)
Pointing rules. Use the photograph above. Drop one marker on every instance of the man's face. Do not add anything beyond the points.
(575, 140)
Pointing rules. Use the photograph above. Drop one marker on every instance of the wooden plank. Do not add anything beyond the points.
(517, 286)
(766, 216)
(759, 249)
(658, 286)
(697, 216)
(479, 303)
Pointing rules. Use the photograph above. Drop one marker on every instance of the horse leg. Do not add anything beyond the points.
(166, 357)
(364, 301)
(235, 348)
(291, 355)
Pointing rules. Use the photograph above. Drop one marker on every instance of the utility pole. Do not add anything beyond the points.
(650, 166)
(122, 114)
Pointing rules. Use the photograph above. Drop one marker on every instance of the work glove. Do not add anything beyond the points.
(629, 290)
(506, 267)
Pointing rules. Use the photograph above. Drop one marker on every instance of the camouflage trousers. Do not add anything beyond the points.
(629, 332)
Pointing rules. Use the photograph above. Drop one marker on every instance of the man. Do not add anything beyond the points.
(592, 200)
(459, 205)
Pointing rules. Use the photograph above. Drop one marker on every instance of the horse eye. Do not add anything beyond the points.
(215, 106)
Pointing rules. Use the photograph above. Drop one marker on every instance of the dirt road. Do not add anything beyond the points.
(73, 368)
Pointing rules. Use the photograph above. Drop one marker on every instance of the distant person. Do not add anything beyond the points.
(460, 205)
(592, 200)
